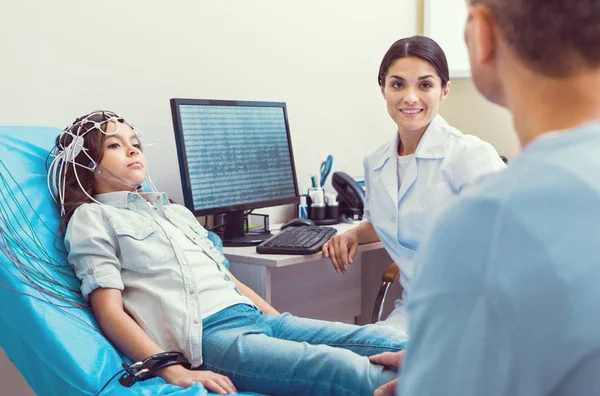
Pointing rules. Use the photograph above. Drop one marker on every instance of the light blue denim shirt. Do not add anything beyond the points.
(121, 245)
(506, 301)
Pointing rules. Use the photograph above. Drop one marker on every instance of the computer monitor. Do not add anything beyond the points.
(234, 156)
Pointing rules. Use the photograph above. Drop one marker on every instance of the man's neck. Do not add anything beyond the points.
(541, 104)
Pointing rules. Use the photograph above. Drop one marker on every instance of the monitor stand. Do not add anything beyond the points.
(234, 233)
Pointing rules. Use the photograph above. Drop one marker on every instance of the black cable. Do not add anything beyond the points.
(217, 226)
(109, 381)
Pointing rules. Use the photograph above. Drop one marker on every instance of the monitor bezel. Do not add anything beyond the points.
(182, 156)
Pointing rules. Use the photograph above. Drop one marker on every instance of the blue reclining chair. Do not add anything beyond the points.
(59, 349)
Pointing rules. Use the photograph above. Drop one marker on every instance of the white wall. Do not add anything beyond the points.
(64, 58)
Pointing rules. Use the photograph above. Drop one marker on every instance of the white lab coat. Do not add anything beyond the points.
(445, 162)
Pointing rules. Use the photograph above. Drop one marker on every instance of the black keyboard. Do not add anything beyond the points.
(297, 240)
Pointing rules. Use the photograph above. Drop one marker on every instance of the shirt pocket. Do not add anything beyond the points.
(141, 247)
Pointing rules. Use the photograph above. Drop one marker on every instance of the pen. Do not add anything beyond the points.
(313, 180)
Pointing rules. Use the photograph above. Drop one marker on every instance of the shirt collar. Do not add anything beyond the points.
(121, 199)
(432, 143)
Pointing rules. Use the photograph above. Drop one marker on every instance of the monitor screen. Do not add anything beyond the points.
(233, 155)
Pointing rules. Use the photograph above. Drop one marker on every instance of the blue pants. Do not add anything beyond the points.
(286, 355)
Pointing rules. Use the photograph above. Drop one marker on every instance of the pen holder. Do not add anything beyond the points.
(322, 214)
(316, 195)
(317, 212)
(332, 211)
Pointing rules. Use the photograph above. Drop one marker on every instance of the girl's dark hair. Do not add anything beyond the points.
(92, 141)
(416, 47)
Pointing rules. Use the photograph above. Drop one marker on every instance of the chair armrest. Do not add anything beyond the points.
(391, 274)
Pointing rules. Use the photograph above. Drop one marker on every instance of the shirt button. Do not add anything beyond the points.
(134, 195)
(90, 271)
(392, 219)
(191, 292)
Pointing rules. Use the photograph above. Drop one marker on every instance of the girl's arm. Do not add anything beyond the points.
(129, 337)
(264, 306)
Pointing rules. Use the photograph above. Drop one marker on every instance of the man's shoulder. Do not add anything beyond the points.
(537, 179)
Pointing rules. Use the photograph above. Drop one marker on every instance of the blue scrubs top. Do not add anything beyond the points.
(506, 300)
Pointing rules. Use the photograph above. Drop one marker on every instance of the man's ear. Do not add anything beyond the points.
(482, 33)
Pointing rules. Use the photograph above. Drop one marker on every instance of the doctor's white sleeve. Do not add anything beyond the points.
(471, 161)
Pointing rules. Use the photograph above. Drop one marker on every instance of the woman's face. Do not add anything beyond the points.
(123, 164)
(413, 93)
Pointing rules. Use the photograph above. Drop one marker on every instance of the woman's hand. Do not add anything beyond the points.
(341, 249)
(180, 376)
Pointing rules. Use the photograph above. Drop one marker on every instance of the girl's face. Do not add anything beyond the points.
(123, 164)
(413, 93)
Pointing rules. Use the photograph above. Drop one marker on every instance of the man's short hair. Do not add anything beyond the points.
(554, 37)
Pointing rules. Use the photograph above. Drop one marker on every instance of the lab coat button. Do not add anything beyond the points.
(196, 321)
(392, 219)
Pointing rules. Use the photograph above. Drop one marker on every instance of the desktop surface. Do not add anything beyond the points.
(248, 254)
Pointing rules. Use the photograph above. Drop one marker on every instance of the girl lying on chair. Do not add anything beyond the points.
(157, 283)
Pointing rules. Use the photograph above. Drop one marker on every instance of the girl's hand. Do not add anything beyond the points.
(180, 376)
(341, 249)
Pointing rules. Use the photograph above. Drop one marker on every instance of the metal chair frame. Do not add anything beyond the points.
(391, 275)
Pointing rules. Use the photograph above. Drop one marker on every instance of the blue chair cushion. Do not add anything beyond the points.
(58, 349)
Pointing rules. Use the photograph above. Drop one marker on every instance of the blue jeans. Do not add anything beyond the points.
(286, 355)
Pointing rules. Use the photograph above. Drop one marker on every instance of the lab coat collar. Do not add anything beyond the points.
(432, 144)
(435, 139)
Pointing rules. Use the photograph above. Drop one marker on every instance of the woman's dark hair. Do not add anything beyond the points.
(92, 142)
(416, 47)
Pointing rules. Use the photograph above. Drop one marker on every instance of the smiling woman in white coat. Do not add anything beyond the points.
(425, 166)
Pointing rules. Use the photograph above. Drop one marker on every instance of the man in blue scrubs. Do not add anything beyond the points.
(507, 296)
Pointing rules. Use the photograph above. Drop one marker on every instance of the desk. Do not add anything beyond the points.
(308, 286)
